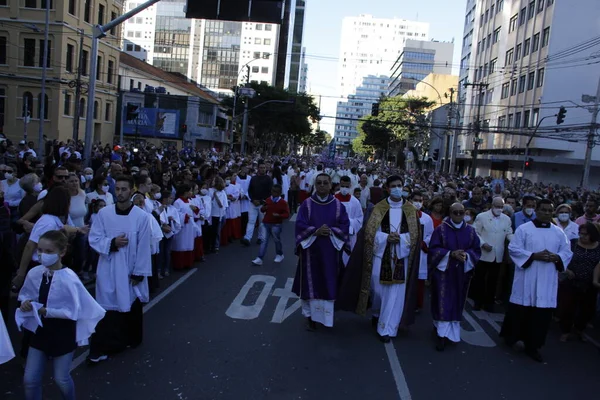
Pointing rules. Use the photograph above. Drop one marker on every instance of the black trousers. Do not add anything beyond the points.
(485, 282)
(118, 330)
(527, 324)
(576, 307)
(293, 200)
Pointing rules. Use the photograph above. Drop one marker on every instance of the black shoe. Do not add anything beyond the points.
(535, 355)
(441, 344)
(311, 325)
(374, 322)
(245, 242)
(385, 339)
(259, 242)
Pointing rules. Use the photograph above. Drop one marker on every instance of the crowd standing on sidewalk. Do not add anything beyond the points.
(370, 238)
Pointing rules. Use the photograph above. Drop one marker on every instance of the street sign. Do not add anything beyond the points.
(247, 92)
(268, 11)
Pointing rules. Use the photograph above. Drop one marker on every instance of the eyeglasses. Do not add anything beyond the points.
(458, 213)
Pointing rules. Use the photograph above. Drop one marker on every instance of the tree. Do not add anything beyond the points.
(280, 118)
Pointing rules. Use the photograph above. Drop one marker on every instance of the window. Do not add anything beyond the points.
(129, 33)
(268, 27)
(29, 52)
(41, 55)
(96, 109)
(264, 70)
(139, 20)
(489, 40)
(139, 85)
(27, 110)
(518, 120)
(536, 43)
(30, 4)
(70, 54)
(499, 5)
(82, 109)
(257, 41)
(526, 45)
(67, 104)
(485, 69)
(523, 16)
(129, 47)
(483, 44)
(84, 63)
(535, 117)
(512, 24)
(266, 55)
(2, 49)
(259, 27)
(530, 80)
(43, 4)
(39, 109)
(100, 14)
(487, 13)
(531, 12)
(87, 10)
(496, 37)
(492, 9)
(546, 37)
(522, 81)
(518, 52)
(110, 71)
(138, 34)
(493, 65)
(256, 54)
(108, 112)
(550, 2)
(505, 88)
(99, 68)
(71, 11)
(267, 41)
(113, 16)
(540, 6)
(509, 122)
(502, 121)
(509, 57)
(478, 47)
(255, 69)
(540, 77)
(131, 84)
(526, 118)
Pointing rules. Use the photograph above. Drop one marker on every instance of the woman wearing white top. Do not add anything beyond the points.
(218, 208)
(100, 190)
(563, 221)
(13, 193)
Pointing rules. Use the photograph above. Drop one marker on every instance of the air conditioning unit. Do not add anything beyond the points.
(149, 89)
(161, 90)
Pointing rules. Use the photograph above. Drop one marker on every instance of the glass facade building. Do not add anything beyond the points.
(173, 36)
(221, 54)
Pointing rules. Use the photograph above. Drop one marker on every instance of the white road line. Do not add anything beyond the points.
(401, 385)
(79, 360)
(293, 219)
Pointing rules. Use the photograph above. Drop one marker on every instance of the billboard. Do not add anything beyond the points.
(154, 122)
(267, 11)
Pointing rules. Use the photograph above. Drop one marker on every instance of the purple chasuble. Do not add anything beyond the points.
(320, 264)
(449, 288)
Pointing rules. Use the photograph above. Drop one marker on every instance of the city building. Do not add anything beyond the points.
(139, 32)
(370, 46)
(294, 52)
(303, 79)
(527, 58)
(357, 105)
(418, 59)
(21, 66)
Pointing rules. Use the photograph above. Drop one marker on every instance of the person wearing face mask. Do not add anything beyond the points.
(527, 214)
(206, 200)
(68, 315)
(306, 177)
(494, 230)
(416, 198)
(168, 218)
(86, 179)
(13, 194)
(233, 221)
(100, 191)
(354, 210)
(454, 250)
(386, 262)
(563, 221)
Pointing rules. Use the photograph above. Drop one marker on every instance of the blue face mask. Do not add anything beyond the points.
(404, 194)
(396, 192)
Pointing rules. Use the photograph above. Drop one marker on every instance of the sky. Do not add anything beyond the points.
(322, 31)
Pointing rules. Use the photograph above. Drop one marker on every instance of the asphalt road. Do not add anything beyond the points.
(230, 330)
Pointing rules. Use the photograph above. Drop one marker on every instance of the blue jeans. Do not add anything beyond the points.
(34, 374)
(164, 257)
(217, 224)
(275, 231)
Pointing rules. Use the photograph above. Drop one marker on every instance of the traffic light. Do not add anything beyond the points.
(375, 109)
(132, 112)
(560, 118)
(436, 154)
(528, 163)
(183, 128)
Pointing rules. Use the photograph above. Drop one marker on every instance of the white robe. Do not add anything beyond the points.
(245, 201)
(67, 299)
(207, 204)
(7, 352)
(234, 209)
(184, 239)
(537, 285)
(170, 216)
(427, 223)
(157, 234)
(355, 215)
(197, 201)
(388, 299)
(114, 291)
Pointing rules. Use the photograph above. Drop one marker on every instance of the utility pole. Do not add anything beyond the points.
(41, 144)
(25, 117)
(78, 90)
(591, 136)
(447, 135)
(245, 126)
(481, 87)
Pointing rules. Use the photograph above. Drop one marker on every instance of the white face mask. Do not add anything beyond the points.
(89, 177)
(345, 191)
(564, 217)
(105, 188)
(417, 205)
(38, 187)
(467, 218)
(48, 260)
(204, 192)
(529, 211)
(227, 182)
(8, 175)
(157, 196)
(106, 165)
(496, 211)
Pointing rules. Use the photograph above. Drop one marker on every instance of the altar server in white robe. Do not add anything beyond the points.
(540, 250)
(354, 211)
(243, 180)
(416, 198)
(7, 352)
(182, 247)
(122, 236)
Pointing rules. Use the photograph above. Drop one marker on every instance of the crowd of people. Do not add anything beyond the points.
(368, 236)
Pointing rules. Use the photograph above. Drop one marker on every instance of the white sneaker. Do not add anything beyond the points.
(279, 258)
(257, 261)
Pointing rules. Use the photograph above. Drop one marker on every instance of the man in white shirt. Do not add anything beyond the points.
(493, 228)
(24, 148)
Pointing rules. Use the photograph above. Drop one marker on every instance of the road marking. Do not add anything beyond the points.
(293, 219)
(281, 312)
(79, 360)
(477, 337)
(239, 311)
(399, 378)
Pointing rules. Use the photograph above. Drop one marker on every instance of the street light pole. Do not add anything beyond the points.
(529, 143)
(590, 141)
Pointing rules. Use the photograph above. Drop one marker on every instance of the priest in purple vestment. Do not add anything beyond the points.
(453, 252)
(322, 228)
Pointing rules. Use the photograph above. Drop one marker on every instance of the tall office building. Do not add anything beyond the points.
(303, 79)
(417, 60)
(138, 37)
(532, 59)
(295, 51)
(370, 46)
